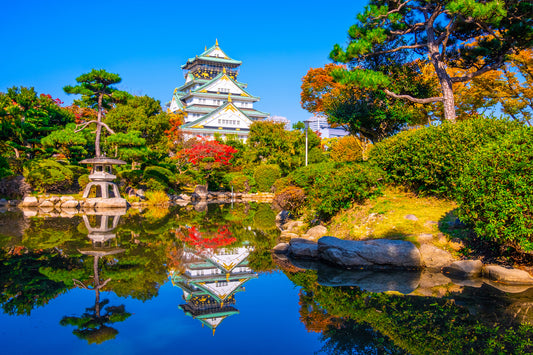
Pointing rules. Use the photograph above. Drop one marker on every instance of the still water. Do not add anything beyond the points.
(202, 279)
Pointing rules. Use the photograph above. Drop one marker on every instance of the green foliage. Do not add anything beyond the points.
(67, 142)
(428, 160)
(306, 176)
(83, 180)
(5, 169)
(145, 116)
(472, 35)
(239, 182)
(131, 177)
(159, 178)
(337, 189)
(495, 191)
(48, 176)
(265, 176)
(331, 186)
(26, 118)
(128, 146)
(270, 143)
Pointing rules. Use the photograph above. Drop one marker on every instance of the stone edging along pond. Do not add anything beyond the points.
(383, 254)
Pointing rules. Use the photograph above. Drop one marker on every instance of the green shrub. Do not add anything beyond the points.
(495, 191)
(239, 181)
(130, 177)
(306, 176)
(48, 176)
(338, 188)
(428, 160)
(78, 171)
(165, 176)
(155, 185)
(265, 176)
(281, 183)
(83, 180)
(5, 170)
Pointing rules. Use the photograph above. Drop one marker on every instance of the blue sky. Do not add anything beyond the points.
(48, 44)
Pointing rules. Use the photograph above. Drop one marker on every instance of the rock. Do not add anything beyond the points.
(66, 198)
(68, 212)
(464, 269)
(411, 217)
(47, 204)
(369, 253)
(13, 202)
(507, 275)
(286, 236)
(185, 197)
(293, 225)
(281, 248)
(435, 258)
(315, 233)
(29, 201)
(301, 248)
(54, 199)
(3, 202)
(69, 204)
(111, 203)
(200, 192)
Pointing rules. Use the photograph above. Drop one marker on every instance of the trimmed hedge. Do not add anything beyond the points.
(339, 188)
(266, 175)
(495, 191)
(48, 176)
(331, 187)
(428, 160)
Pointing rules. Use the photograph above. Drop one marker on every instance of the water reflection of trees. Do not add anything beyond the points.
(42, 256)
(355, 321)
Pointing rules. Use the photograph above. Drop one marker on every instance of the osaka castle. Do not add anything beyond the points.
(212, 98)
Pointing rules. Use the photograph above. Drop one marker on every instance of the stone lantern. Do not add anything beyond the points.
(102, 177)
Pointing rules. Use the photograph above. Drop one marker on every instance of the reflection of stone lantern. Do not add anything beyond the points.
(106, 223)
(102, 177)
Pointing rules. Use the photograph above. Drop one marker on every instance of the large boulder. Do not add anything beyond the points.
(435, 258)
(30, 201)
(507, 275)
(301, 248)
(379, 253)
(464, 269)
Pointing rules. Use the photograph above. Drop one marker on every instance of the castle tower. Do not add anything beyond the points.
(212, 99)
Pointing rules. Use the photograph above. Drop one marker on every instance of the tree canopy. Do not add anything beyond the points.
(97, 92)
(477, 36)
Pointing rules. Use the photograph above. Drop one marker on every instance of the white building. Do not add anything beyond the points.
(212, 99)
(321, 125)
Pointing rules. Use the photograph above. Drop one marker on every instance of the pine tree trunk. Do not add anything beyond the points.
(98, 127)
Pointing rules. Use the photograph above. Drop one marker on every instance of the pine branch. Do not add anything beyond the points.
(413, 99)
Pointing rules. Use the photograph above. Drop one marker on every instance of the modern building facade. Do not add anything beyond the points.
(213, 101)
(321, 125)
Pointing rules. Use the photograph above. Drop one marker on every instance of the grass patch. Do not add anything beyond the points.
(384, 217)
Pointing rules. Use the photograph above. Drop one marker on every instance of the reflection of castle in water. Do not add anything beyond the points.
(209, 280)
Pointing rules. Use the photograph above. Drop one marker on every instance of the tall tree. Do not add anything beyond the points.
(364, 110)
(443, 31)
(98, 93)
(26, 117)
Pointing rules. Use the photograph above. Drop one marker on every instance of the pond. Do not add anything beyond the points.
(202, 279)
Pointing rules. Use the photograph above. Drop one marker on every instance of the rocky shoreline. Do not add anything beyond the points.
(301, 248)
